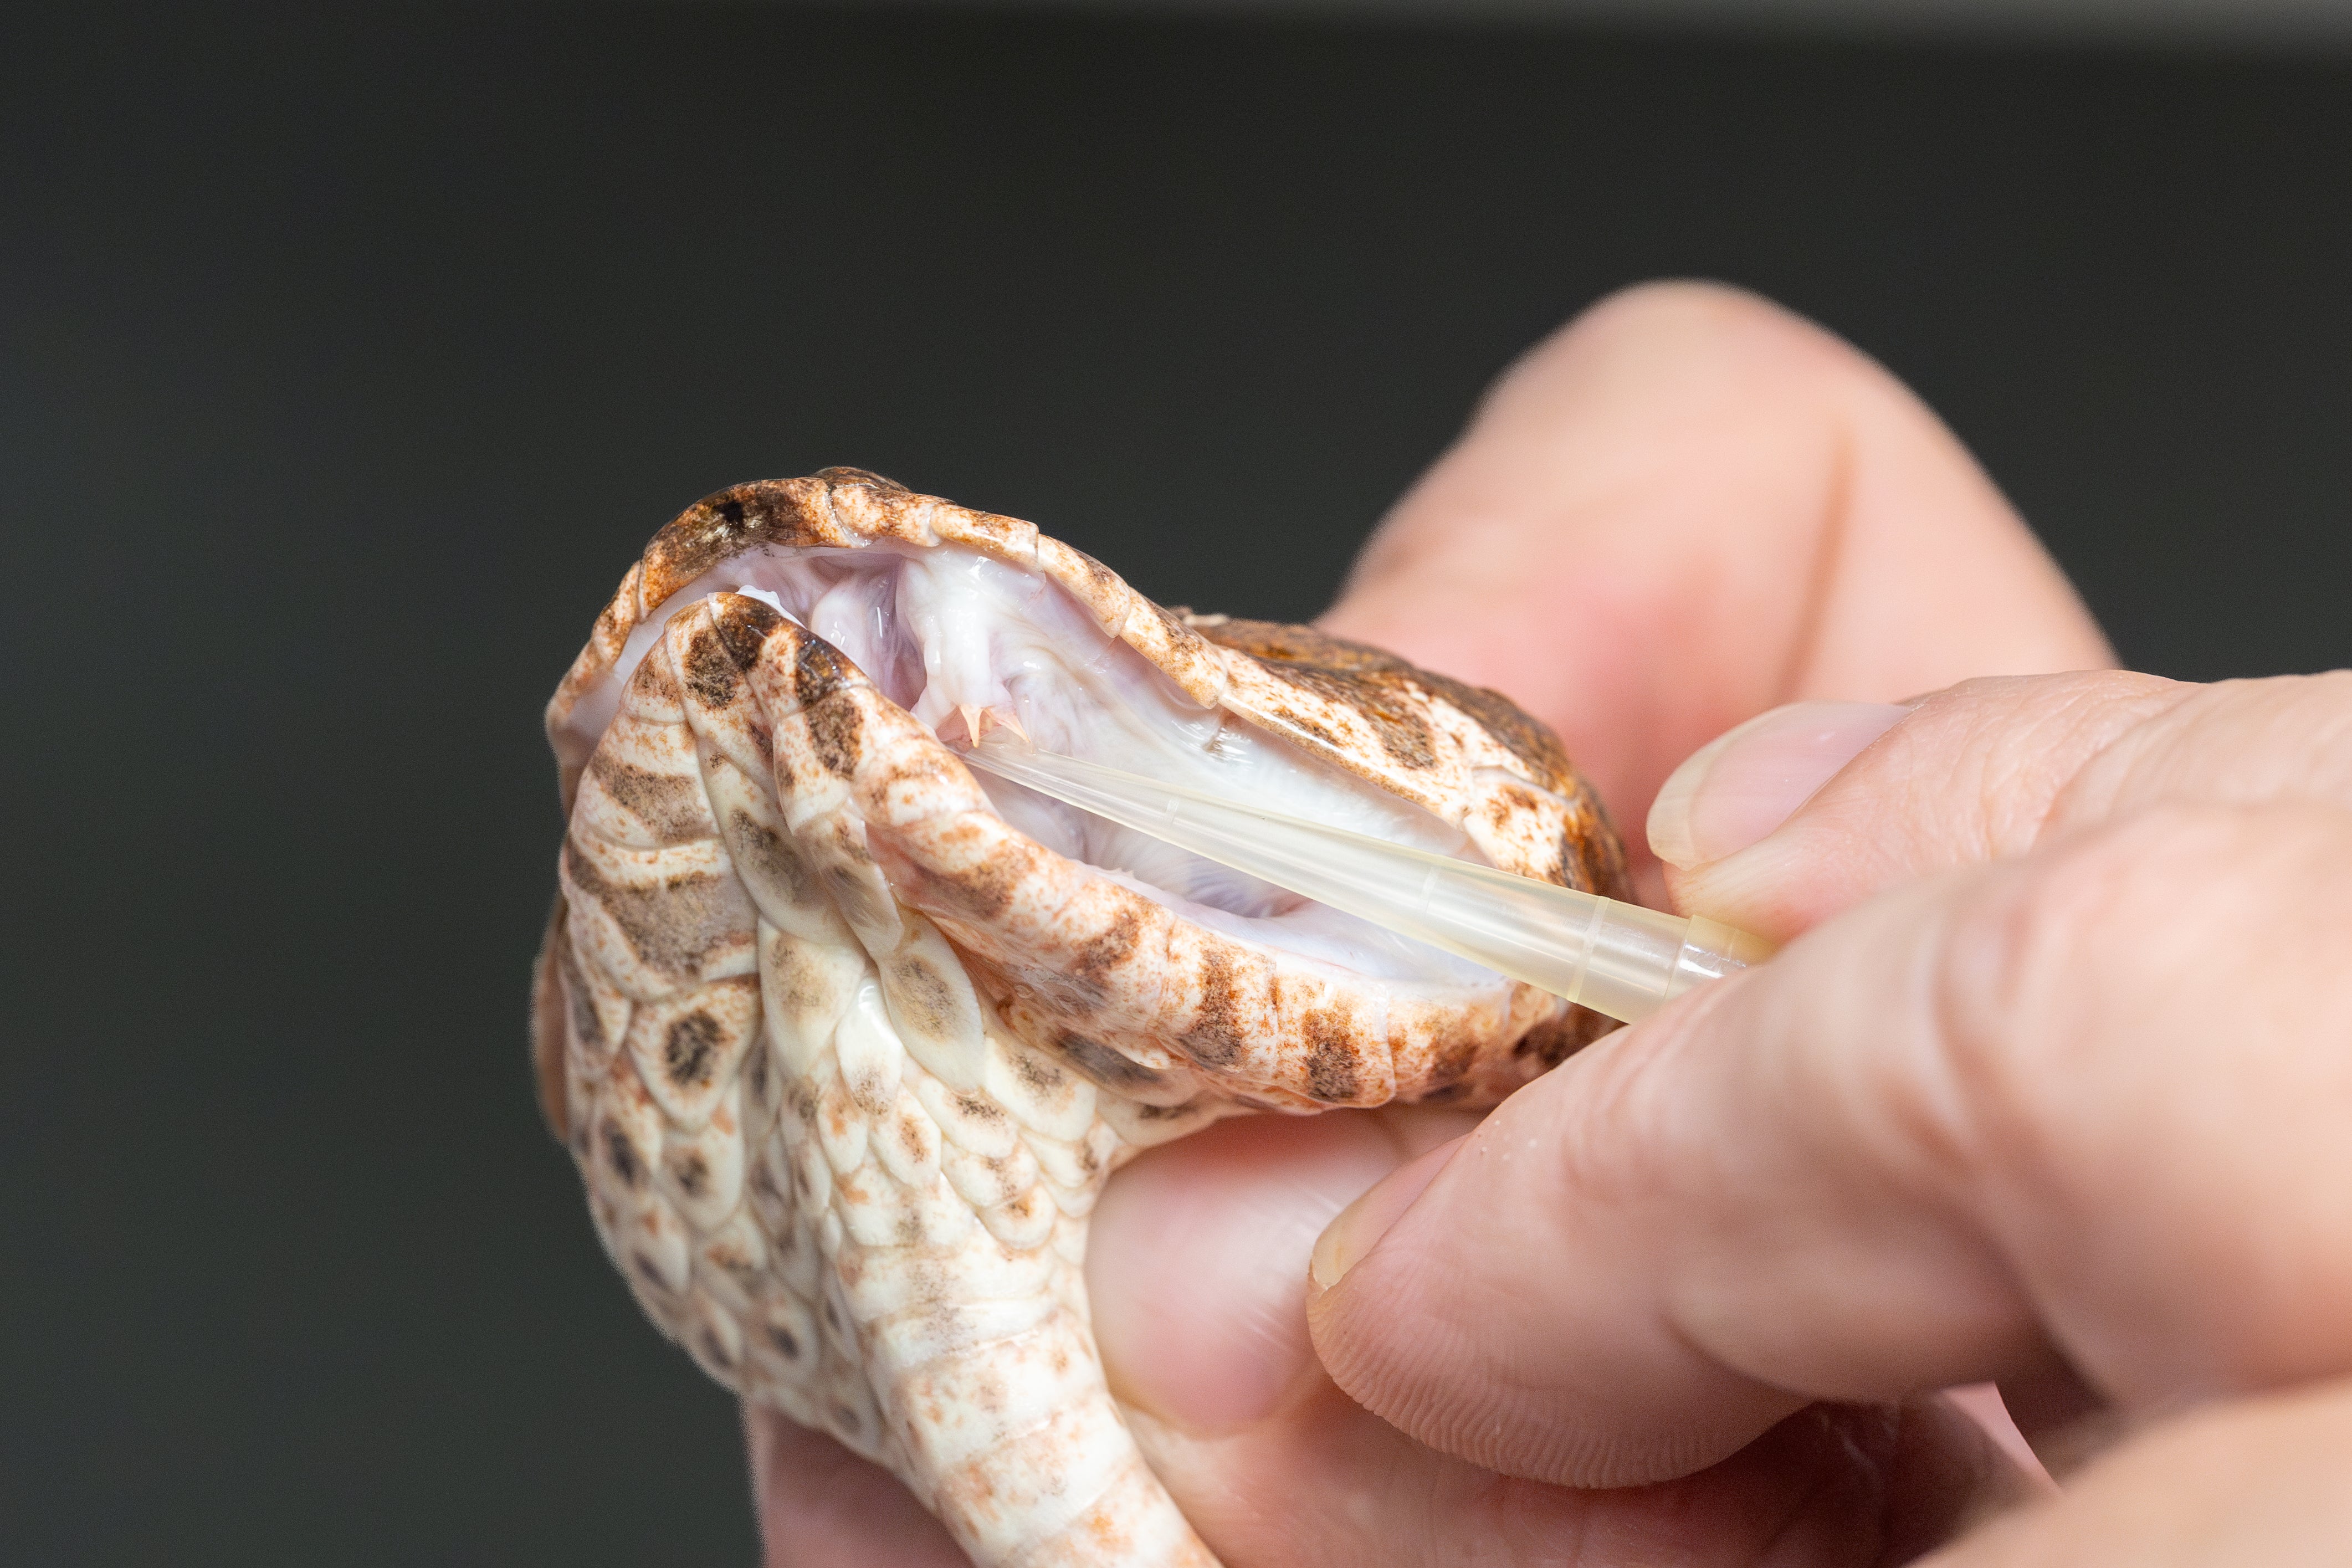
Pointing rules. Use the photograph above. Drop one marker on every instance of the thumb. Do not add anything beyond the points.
(1813, 807)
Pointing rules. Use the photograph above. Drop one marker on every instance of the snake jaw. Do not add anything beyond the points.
(846, 1041)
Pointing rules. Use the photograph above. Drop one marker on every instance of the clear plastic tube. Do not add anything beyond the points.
(1614, 958)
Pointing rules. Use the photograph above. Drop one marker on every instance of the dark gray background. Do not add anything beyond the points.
(345, 361)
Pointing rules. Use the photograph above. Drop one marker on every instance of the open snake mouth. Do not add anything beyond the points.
(846, 1041)
(850, 637)
(964, 642)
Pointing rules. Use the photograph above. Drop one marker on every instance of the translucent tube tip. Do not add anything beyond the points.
(1616, 958)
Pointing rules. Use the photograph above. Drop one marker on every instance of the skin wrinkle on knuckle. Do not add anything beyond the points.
(2130, 713)
(2026, 742)
(2245, 740)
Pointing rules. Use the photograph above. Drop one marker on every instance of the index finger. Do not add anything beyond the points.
(1689, 506)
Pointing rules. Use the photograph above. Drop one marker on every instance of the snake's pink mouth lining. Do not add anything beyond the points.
(961, 640)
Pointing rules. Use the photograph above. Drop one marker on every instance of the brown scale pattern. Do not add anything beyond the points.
(843, 1059)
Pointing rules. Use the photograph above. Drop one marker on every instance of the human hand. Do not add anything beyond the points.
(2051, 1087)
(1684, 510)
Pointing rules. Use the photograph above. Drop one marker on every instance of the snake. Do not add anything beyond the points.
(845, 1039)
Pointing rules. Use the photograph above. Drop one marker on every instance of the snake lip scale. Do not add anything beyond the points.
(844, 1040)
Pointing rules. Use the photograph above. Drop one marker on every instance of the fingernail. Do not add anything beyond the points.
(1741, 785)
(1360, 1226)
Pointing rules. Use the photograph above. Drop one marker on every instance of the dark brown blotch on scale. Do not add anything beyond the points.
(835, 734)
(921, 992)
(1308, 725)
(1555, 1039)
(1393, 699)
(1507, 802)
(690, 1050)
(1452, 1060)
(820, 670)
(650, 1272)
(859, 902)
(1108, 948)
(655, 682)
(878, 483)
(910, 1139)
(1334, 1074)
(1099, 577)
(978, 1108)
(711, 671)
(621, 1158)
(1383, 698)
(587, 1027)
(1218, 1029)
(1174, 622)
(743, 626)
(742, 517)
(670, 805)
(1277, 642)
(787, 1344)
(769, 852)
(982, 892)
(1561, 866)
(1036, 1072)
(716, 1348)
(804, 985)
(762, 1180)
(674, 926)
(691, 1171)
(1104, 1065)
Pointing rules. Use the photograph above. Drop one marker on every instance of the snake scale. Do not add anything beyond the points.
(844, 1041)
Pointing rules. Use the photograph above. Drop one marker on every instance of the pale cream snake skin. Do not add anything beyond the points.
(845, 1058)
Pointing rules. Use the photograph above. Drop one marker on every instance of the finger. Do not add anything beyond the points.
(2082, 1111)
(1773, 827)
(1196, 1261)
(1689, 506)
(1196, 1274)
(2256, 1481)
(1329, 1483)
(820, 1506)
